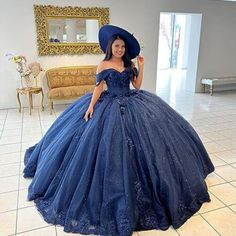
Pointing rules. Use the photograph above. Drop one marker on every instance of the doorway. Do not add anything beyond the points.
(179, 39)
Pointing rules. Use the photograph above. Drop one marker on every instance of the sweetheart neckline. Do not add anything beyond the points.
(120, 72)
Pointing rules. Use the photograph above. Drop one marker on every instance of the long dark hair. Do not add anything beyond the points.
(126, 58)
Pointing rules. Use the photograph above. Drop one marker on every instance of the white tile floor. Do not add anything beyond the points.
(214, 118)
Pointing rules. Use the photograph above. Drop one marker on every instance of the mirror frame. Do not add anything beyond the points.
(43, 12)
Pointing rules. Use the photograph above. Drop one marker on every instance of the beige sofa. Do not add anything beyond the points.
(70, 82)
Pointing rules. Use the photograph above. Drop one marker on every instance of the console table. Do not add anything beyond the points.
(29, 92)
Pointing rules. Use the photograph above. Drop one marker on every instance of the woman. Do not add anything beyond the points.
(120, 160)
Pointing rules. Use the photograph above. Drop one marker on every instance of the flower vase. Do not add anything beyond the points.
(26, 82)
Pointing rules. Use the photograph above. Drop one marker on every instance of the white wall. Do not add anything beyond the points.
(193, 52)
(217, 53)
(217, 47)
(140, 17)
(19, 37)
(185, 42)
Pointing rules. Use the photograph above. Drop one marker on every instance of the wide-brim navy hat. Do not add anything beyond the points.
(107, 31)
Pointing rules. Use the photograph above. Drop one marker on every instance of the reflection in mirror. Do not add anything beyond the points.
(69, 30)
(72, 30)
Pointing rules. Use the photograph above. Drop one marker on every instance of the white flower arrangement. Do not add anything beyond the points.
(25, 70)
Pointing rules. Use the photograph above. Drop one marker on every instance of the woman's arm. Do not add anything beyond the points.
(137, 81)
(96, 95)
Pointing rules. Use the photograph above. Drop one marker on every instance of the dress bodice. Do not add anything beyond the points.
(118, 83)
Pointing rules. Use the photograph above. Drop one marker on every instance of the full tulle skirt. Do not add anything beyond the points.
(135, 165)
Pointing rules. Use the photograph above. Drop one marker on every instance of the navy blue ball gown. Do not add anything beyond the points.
(135, 165)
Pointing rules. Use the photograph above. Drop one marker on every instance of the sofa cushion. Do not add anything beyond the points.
(69, 92)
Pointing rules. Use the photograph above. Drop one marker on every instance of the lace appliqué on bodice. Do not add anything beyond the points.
(118, 83)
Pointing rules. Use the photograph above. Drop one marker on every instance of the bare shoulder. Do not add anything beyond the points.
(101, 66)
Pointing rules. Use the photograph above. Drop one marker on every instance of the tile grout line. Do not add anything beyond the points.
(19, 173)
(26, 188)
(177, 232)
(226, 149)
(137, 233)
(4, 144)
(210, 225)
(8, 176)
(233, 204)
(16, 209)
(12, 191)
(31, 230)
(8, 152)
(229, 182)
(232, 209)
(225, 205)
(233, 163)
(217, 184)
(4, 124)
(40, 121)
(10, 163)
(55, 229)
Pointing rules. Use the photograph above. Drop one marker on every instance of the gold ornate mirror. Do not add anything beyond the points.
(69, 30)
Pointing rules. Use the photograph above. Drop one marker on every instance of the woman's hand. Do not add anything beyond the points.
(140, 61)
(88, 114)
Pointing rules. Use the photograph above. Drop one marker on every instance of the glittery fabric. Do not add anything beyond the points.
(135, 165)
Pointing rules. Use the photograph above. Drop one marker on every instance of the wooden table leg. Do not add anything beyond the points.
(50, 105)
(31, 101)
(204, 88)
(42, 96)
(28, 97)
(18, 98)
(211, 90)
